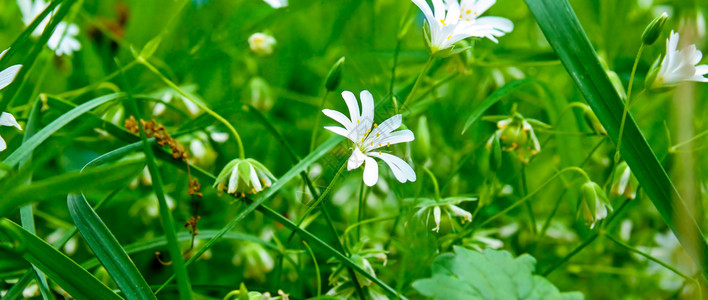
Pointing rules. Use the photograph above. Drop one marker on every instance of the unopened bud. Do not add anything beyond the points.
(423, 137)
(592, 121)
(651, 33)
(495, 154)
(335, 74)
(595, 205)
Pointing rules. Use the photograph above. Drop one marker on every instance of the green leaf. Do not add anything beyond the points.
(563, 31)
(28, 146)
(492, 99)
(16, 195)
(64, 271)
(107, 249)
(492, 274)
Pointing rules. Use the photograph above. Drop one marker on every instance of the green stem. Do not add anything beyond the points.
(560, 198)
(435, 183)
(417, 82)
(317, 121)
(527, 197)
(343, 250)
(627, 103)
(216, 116)
(317, 269)
(529, 207)
(362, 206)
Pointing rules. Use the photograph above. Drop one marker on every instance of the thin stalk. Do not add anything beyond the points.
(627, 104)
(343, 249)
(656, 260)
(216, 116)
(560, 198)
(317, 269)
(417, 82)
(529, 207)
(434, 181)
(362, 206)
(318, 117)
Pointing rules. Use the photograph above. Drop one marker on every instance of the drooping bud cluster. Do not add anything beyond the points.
(244, 176)
(595, 205)
(158, 131)
(624, 182)
(515, 134)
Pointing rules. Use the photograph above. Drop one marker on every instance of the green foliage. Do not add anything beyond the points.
(492, 274)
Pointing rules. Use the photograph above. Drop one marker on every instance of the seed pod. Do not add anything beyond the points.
(651, 33)
(335, 74)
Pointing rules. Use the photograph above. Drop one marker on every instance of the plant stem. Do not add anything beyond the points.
(317, 269)
(529, 207)
(362, 206)
(317, 121)
(216, 116)
(435, 183)
(417, 82)
(626, 104)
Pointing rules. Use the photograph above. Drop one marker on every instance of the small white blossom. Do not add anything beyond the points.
(680, 65)
(244, 176)
(367, 141)
(277, 3)
(449, 22)
(63, 40)
(7, 119)
(8, 75)
(261, 43)
(447, 206)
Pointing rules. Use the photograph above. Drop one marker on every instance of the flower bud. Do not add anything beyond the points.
(244, 176)
(423, 137)
(334, 75)
(651, 33)
(650, 80)
(495, 153)
(624, 182)
(261, 43)
(594, 204)
(513, 136)
(592, 121)
(260, 94)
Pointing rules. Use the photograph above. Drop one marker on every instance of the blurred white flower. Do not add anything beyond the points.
(168, 94)
(277, 3)
(669, 251)
(680, 65)
(63, 40)
(261, 43)
(7, 119)
(255, 259)
(8, 75)
(449, 22)
(357, 129)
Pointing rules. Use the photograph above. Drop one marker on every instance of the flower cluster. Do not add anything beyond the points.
(679, 65)
(244, 176)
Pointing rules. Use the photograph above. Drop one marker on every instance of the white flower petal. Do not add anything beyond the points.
(338, 117)
(356, 159)
(3, 145)
(436, 216)
(401, 136)
(353, 106)
(343, 132)
(3, 52)
(499, 23)
(371, 171)
(367, 109)
(453, 12)
(233, 180)
(254, 180)
(479, 7)
(7, 119)
(425, 8)
(401, 170)
(8, 75)
(439, 10)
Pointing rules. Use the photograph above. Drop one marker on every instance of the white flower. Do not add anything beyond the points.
(277, 3)
(449, 22)
(244, 176)
(167, 94)
(446, 205)
(261, 43)
(7, 119)
(357, 128)
(680, 65)
(61, 43)
(8, 75)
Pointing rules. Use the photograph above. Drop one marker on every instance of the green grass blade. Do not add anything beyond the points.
(75, 280)
(16, 195)
(563, 31)
(168, 224)
(107, 249)
(24, 151)
(492, 99)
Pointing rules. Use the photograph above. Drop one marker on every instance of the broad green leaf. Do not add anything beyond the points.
(28, 146)
(107, 249)
(563, 31)
(492, 99)
(492, 274)
(64, 271)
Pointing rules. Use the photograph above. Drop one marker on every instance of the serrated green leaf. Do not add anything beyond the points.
(107, 249)
(492, 274)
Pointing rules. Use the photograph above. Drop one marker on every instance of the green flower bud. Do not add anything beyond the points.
(335, 74)
(651, 33)
(513, 136)
(592, 121)
(244, 176)
(422, 141)
(595, 205)
(495, 154)
(650, 80)
(624, 182)
(260, 94)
